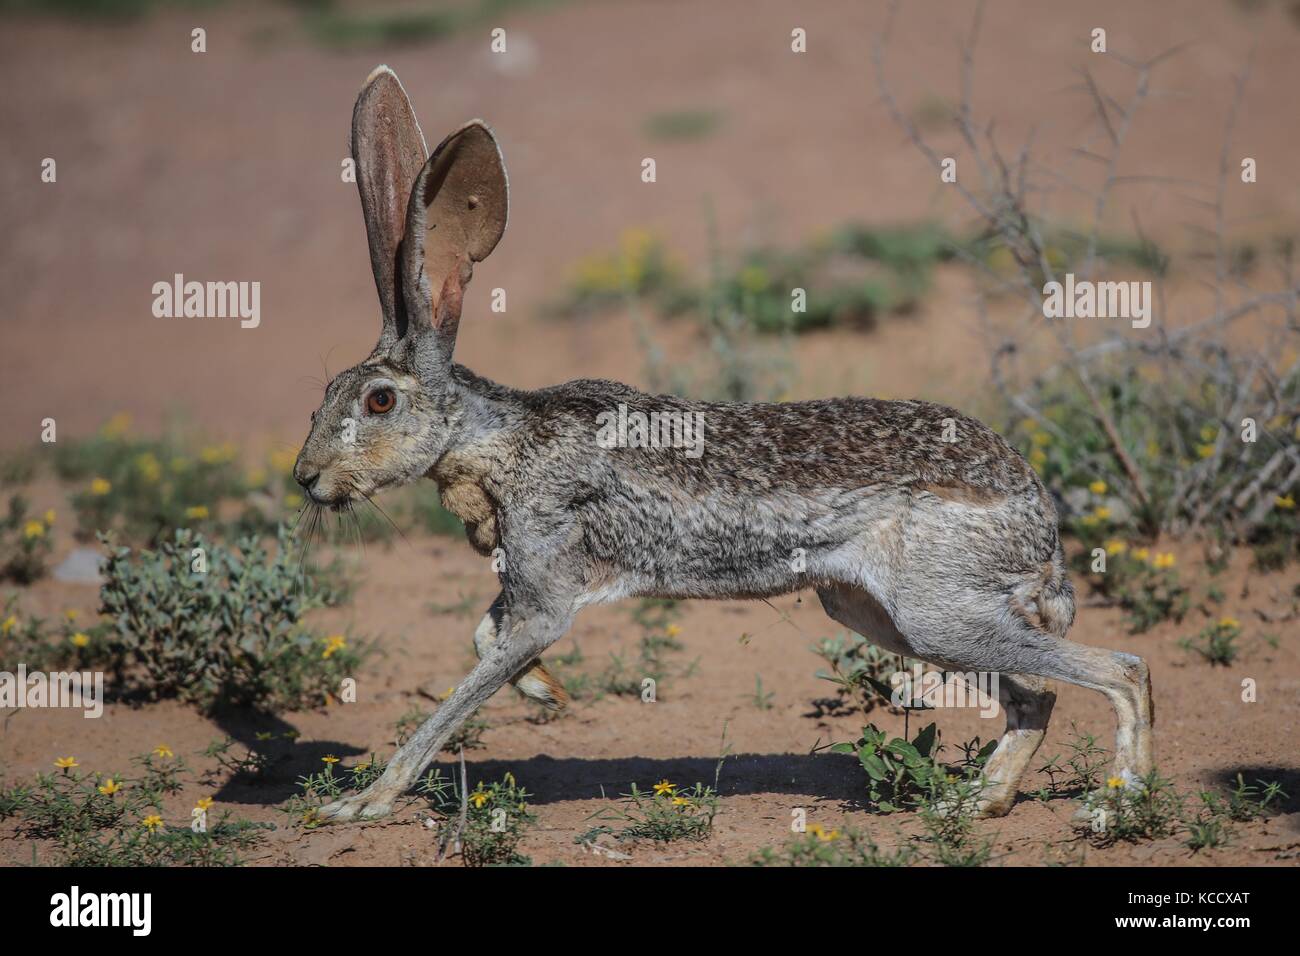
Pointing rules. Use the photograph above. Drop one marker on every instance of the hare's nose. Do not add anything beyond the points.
(305, 476)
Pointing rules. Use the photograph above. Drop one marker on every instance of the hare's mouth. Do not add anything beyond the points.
(336, 502)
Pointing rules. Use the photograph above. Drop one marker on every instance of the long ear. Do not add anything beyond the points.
(456, 217)
(388, 149)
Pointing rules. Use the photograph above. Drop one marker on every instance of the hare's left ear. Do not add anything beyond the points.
(388, 149)
(456, 217)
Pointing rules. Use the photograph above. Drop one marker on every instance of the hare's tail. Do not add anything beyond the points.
(542, 686)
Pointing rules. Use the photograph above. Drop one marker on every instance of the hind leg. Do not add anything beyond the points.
(1025, 698)
(1019, 656)
(1126, 682)
(1028, 703)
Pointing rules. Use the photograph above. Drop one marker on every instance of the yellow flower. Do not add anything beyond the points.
(1090, 521)
(1098, 487)
(816, 829)
(332, 645)
(255, 478)
(117, 426)
(49, 516)
(293, 501)
(197, 512)
(1204, 451)
(1115, 782)
(80, 639)
(217, 454)
(1229, 622)
(204, 804)
(109, 787)
(680, 802)
(1165, 560)
(1001, 260)
(71, 613)
(1114, 547)
(1102, 514)
(753, 279)
(663, 786)
(148, 467)
(66, 763)
(1285, 502)
(478, 798)
(33, 529)
(1038, 458)
(672, 630)
(1141, 554)
(152, 822)
(162, 750)
(827, 835)
(330, 759)
(8, 624)
(100, 487)
(1040, 438)
(1209, 433)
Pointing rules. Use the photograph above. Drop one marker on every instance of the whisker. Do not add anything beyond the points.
(400, 533)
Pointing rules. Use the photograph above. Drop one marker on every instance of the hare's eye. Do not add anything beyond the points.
(380, 401)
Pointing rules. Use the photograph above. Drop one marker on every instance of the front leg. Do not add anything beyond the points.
(523, 636)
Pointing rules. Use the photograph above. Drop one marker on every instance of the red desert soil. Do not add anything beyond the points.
(225, 166)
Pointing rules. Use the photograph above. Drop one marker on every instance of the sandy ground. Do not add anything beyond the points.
(225, 166)
(579, 764)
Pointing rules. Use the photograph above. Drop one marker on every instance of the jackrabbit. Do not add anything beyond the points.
(918, 527)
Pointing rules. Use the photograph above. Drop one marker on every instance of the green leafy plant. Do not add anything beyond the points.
(760, 698)
(71, 645)
(25, 544)
(665, 813)
(657, 619)
(819, 847)
(1216, 642)
(640, 267)
(1129, 809)
(217, 626)
(859, 670)
(683, 125)
(495, 819)
(900, 772)
(329, 784)
(1084, 767)
(98, 819)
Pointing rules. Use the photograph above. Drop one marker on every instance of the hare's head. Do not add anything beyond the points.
(387, 420)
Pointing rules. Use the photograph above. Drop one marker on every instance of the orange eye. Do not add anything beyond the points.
(380, 401)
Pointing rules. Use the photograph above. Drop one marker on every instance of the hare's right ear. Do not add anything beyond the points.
(456, 217)
(389, 151)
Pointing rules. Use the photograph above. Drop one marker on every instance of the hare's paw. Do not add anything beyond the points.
(370, 804)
